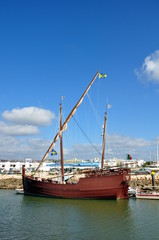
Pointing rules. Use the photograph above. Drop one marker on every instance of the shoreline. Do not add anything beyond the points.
(15, 181)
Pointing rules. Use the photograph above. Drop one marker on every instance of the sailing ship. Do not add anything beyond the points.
(91, 184)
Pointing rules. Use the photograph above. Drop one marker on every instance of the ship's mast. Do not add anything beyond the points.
(64, 126)
(157, 154)
(104, 130)
(61, 144)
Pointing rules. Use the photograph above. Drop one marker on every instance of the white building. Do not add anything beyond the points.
(133, 163)
(10, 166)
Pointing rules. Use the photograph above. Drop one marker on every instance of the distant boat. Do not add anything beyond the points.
(90, 184)
(19, 191)
(148, 195)
(154, 167)
(132, 192)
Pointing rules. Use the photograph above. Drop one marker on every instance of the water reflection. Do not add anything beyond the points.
(86, 218)
(26, 217)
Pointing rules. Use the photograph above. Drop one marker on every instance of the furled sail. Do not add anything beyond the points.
(64, 126)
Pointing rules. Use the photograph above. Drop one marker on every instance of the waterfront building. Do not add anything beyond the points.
(30, 165)
(13, 166)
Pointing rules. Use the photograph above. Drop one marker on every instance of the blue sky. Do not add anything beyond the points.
(54, 48)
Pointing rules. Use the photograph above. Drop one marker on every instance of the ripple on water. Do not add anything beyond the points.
(24, 217)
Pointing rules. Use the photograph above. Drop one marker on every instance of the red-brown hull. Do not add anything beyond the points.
(106, 186)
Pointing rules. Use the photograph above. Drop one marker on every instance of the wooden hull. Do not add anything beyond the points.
(93, 186)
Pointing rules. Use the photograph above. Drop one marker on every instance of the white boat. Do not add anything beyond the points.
(147, 195)
(132, 192)
(154, 167)
(19, 191)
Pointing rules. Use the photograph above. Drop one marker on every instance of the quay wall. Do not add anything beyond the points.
(143, 181)
(10, 181)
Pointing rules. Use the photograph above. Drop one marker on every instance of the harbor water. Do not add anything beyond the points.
(25, 217)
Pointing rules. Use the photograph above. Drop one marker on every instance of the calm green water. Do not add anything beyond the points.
(25, 217)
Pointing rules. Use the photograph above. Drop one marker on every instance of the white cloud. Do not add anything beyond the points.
(30, 116)
(149, 71)
(137, 147)
(23, 122)
(117, 146)
(18, 130)
(12, 148)
(26, 121)
(127, 142)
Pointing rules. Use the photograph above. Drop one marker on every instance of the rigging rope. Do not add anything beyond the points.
(86, 136)
(95, 112)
